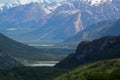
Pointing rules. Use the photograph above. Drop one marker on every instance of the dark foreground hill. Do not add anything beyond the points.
(99, 49)
(30, 73)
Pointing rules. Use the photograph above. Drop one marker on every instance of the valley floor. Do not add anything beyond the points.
(101, 70)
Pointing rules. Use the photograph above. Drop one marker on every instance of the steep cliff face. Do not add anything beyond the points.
(100, 49)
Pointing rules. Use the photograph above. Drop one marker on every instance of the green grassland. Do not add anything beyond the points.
(101, 70)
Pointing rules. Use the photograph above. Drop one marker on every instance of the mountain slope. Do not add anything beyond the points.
(102, 70)
(73, 17)
(22, 19)
(63, 23)
(24, 52)
(86, 52)
(104, 28)
(7, 61)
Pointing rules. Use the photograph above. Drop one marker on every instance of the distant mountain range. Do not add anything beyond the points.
(56, 21)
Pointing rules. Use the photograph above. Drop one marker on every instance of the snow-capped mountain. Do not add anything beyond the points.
(51, 20)
(96, 2)
(8, 5)
(14, 3)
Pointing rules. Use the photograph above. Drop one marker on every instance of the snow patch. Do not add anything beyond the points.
(96, 2)
(48, 9)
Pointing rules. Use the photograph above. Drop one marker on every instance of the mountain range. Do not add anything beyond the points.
(56, 21)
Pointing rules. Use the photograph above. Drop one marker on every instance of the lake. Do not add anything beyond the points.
(40, 65)
(41, 45)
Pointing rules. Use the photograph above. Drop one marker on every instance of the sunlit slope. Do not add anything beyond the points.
(102, 70)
